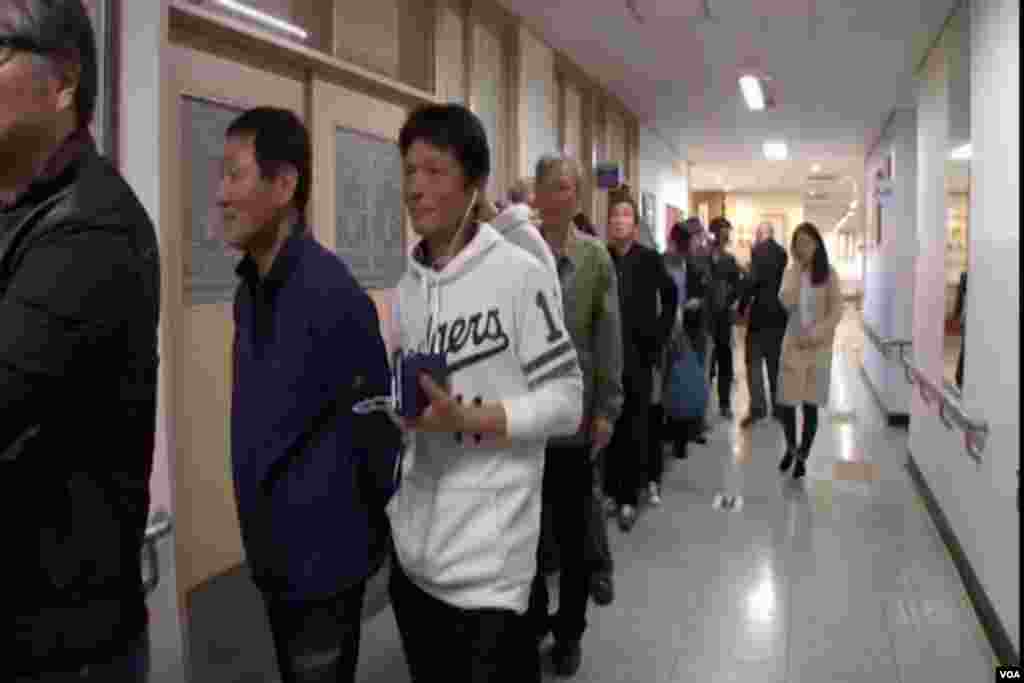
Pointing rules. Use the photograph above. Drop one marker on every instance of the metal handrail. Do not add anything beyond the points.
(885, 345)
(160, 525)
(951, 408)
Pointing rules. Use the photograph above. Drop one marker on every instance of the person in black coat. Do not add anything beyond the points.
(642, 279)
(79, 321)
(720, 306)
(767, 323)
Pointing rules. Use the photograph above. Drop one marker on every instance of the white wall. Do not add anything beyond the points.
(889, 266)
(661, 172)
(141, 84)
(980, 500)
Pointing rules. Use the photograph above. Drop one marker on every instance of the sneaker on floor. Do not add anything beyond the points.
(627, 517)
(602, 588)
(654, 494)
(566, 657)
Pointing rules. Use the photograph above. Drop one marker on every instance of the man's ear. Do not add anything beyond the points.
(286, 183)
(69, 76)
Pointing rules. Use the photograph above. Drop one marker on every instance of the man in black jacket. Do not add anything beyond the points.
(720, 303)
(642, 279)
(768, 318)
(79, 311)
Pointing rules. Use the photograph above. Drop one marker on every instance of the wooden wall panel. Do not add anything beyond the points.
(538, 102)
(335, 107)
(490, 98)
(450, 53)
(367, 33)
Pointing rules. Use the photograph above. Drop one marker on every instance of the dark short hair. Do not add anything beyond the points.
(584, 224)
(718, 224)
(279, 139)
(455, 128)
(821, 270)
(680, 235)
(623, 195)
(59, 30)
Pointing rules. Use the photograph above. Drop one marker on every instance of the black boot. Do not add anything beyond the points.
(787, 460)
(800, 470)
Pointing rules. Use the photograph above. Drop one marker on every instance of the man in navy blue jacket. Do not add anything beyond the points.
(311, 477)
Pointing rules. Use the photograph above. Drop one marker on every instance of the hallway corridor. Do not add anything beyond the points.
(840, 577)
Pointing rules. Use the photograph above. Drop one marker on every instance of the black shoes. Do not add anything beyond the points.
(787, 460)
(602, 590)
(627, 518)
(726, 413)
(566, 657)
(800, 457)
(799, 470)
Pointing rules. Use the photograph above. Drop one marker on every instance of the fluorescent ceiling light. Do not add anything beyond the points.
(752, 92)
(961, 153)
(776, 151)
(853, 204)
(263, 17)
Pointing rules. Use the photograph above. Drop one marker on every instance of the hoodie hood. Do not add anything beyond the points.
(512, 217)
(472, 255)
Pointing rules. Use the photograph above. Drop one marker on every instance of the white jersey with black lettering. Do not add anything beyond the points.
(466, 518)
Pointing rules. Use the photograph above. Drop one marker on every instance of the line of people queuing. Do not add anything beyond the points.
(548, 339)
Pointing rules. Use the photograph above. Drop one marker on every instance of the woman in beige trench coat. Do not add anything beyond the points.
(810, 293)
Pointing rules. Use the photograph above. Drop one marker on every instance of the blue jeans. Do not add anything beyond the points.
(130, 667)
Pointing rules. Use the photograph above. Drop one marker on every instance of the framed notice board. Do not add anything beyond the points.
(368, 206)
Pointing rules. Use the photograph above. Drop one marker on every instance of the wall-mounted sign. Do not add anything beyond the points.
(609, 174)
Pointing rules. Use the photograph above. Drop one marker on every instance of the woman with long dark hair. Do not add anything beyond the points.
(810, 293)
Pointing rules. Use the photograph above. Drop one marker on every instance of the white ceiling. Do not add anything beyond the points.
(838, 68)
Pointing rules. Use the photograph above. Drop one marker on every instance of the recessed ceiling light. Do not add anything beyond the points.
(961, 153)
(816, 168)
(265, 18)
(776, 150)
(750, 86)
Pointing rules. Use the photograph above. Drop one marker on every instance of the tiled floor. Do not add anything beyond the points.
(839, 577)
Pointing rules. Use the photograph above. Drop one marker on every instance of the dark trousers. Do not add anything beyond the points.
(960, 362)
(722, 359)
(445, 643)
(627, 452)
(568, 502)
(132, 666)
(659, 433)
(788, 417)
(318, 642)
(764, 347)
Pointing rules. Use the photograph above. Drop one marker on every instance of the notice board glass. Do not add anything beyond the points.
(209, 263)
(368, 208)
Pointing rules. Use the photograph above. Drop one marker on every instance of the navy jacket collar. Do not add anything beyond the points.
(285, 263)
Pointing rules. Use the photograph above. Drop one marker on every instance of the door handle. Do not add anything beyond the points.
(160, 525)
